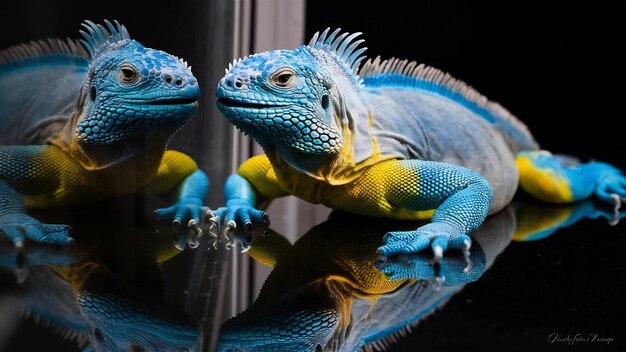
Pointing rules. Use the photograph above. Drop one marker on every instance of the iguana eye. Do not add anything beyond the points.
(128, 74)
(283, 78)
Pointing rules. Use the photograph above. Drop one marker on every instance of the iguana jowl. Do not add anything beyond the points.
(91, 121)
(389, 139)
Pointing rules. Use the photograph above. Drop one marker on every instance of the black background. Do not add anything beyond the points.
(558, 66)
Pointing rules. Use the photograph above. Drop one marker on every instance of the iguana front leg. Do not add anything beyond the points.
(178, 170)
(254, 183)
(406, 189)
(28, 170)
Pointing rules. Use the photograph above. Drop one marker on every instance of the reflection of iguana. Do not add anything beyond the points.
(324, 290)
(97, 120)
(390, 139)
(114, 294)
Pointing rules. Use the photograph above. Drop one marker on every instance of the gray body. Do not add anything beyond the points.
(431, 127)
(39, 106)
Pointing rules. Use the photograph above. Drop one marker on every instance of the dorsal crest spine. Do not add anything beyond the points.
(34, 49)
(100, 39)
(344, 49)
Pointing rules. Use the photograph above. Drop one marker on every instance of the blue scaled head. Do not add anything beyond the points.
(131, 91)
(294, 100)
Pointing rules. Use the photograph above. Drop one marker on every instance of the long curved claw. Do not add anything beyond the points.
(467, 245)
(611, 189)
(231, 225)
(439, 236)
(191, 213)
(436, 282)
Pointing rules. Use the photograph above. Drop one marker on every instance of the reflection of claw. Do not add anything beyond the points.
(21, 274)
(436, 282)
(245, 248)
(213, 242)
(196, 235)
(230, 241)
(467, 245)
(213, 228)
(19, 244)
(617, 201)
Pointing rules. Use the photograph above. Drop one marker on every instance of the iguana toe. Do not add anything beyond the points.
(439, 236)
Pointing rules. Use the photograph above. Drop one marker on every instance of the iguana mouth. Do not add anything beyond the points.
(241, 104)
(174, 101)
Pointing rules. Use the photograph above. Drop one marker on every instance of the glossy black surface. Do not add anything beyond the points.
(525, 292)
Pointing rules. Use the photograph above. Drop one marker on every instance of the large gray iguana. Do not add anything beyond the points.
(391, 139)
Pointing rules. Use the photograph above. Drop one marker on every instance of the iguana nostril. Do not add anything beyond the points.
(168, 79)
(179, 82)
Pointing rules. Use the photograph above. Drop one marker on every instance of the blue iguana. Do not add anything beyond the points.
(391, 139)
(83, 122)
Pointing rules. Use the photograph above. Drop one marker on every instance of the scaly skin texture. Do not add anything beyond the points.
(98, 119)
(108, 289)
(329, 289)
(392, 139)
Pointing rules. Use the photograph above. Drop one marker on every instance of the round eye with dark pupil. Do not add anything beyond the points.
(128, 74)
(284, 78)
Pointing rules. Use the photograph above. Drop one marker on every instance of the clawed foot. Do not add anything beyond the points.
(18, 227)
(450, 270)
(438, 236)
(613, 216)
(190, 221)
(234, 218)
(611, 189)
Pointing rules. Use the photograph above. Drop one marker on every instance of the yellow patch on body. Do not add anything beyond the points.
(76, 185)
(380, 190)
(543, 184)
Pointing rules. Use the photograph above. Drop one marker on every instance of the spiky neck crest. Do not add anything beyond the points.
(341, 49)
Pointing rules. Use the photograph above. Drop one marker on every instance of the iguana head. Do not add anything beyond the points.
(297, 101)
(130, 92)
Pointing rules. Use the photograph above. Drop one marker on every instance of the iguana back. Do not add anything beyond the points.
(393, 139)
(39, 86)
(434, 94)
